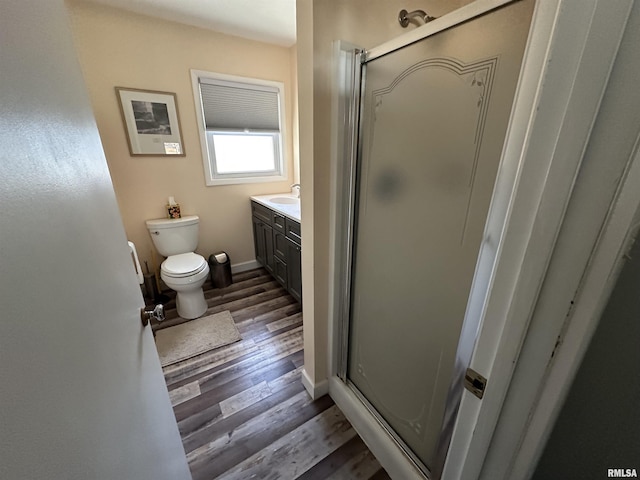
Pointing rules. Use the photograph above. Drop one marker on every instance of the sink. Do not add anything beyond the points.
(284, 200)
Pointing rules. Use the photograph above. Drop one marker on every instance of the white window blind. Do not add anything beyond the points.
(240, 106)
(241, 126)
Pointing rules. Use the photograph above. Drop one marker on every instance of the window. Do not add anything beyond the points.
(241, 123)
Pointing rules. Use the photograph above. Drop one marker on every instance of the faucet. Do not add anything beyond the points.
(294, 186)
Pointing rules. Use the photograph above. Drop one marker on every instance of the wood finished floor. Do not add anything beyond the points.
(242, 411)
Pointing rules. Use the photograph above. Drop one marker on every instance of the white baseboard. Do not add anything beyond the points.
(315, 390)
(244, 266)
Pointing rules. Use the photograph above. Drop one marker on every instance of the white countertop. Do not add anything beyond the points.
(291, 210)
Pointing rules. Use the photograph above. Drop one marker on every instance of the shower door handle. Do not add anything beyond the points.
(157, 313)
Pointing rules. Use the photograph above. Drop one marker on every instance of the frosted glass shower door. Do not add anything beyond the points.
(434, 117)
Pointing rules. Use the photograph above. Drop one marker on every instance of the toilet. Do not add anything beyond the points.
(183, 270)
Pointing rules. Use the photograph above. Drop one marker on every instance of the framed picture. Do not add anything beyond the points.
(151, 122)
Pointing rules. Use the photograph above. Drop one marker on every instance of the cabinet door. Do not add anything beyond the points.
(294, 270)
(258, 241)
(280, 272)
(263, 241)
(268, 243)
(279, 245)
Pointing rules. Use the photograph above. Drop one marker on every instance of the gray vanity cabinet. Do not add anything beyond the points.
(278, 246)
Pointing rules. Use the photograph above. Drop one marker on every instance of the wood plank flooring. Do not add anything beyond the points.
(242, 411)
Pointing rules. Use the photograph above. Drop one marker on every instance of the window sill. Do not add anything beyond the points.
(240, 180)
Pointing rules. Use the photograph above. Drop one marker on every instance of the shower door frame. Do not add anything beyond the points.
(503, 310)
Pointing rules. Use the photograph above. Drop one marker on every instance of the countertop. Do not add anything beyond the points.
(291, 210)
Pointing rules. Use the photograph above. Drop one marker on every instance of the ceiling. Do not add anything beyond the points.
(271, 21)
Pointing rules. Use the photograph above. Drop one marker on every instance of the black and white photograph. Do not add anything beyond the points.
(151, 122)
(151, 117)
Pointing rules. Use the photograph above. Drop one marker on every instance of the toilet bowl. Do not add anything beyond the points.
(183, 270)
(185, 274)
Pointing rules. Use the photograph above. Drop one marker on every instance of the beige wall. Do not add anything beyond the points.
(118, 48)
(366, 23)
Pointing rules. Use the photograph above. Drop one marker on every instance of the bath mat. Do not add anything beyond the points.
(195, 336)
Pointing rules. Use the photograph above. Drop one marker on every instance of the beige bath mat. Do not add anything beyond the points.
(195, 336)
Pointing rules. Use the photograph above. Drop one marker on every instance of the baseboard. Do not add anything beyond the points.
(315, 390)
(244, 266)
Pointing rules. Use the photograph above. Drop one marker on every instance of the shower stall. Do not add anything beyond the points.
(429, 118)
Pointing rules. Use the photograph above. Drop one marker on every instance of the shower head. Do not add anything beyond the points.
(404, 17)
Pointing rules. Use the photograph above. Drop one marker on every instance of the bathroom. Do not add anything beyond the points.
(116, 57)
(103, 37)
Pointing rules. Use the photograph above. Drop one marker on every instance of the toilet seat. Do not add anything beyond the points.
(183, 265)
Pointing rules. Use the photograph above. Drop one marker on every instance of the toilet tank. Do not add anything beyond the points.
(174, 236)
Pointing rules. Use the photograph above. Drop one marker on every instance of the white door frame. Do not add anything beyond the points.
(598, 227)
(617, 236)
(566, 69)
(553, 114)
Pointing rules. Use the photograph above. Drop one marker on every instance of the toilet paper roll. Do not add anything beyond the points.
(221, 257)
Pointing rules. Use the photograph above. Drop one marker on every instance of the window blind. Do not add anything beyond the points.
(239, 106)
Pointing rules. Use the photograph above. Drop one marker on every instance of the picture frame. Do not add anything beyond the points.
(151, 122)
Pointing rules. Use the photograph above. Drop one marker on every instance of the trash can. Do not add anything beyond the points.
(220, 269)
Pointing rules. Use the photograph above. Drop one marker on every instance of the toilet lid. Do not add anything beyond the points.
(183, 265)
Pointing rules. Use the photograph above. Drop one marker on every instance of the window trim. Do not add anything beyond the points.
(212, 178)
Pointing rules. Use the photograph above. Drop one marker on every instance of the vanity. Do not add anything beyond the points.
(277, 240)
